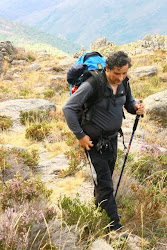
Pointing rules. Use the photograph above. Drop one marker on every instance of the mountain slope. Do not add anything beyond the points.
(25, 36)
(84, 21)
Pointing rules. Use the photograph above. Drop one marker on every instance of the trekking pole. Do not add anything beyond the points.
(127, 152)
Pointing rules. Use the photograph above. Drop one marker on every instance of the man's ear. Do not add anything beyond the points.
(107, 68)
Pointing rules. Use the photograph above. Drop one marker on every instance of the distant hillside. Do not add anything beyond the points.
(84, 21)
(25, 36)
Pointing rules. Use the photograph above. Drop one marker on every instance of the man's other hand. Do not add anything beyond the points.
(86, 142)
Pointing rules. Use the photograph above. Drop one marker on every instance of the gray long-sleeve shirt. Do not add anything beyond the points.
(106, 118)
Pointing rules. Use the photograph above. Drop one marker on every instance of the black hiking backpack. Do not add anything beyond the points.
(90, 61)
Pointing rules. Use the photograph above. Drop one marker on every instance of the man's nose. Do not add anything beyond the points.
(121, 78)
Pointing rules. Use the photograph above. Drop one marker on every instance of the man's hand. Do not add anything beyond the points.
(86, 142)
(139, 108)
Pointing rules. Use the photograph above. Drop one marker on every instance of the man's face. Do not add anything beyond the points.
(116, 75)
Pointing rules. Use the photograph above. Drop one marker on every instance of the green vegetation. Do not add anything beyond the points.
(32, 116)
(91, 221)
(145, 199)
(35, 39)
(24, 92)
(76, 156)
(28, 157)
(49, 93)
(19, 190)
(5, 122)
(165, 68)
(147, 86)
(24, 210)
(26, 214)
(38, 131)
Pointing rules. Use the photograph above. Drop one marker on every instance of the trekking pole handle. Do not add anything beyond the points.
(136, 122)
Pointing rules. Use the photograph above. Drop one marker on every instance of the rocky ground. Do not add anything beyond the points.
(49, 166)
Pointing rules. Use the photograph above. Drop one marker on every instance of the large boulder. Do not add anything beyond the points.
(12, 108)
(144, 71)
(156, 106)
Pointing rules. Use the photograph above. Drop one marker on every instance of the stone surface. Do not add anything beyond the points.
(156, 106)
(19, 62)
(67, 62)
(12, 108)
(144, 71)
(101, 245)
(34, 67)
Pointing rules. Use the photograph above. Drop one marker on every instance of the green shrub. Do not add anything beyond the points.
(38, 131)
(33, 116)
(24, 92)
(90, 220)
(49, 93)
(165, 68)
(30, 158)
(31, 58)
(5, 122)
(77, 160)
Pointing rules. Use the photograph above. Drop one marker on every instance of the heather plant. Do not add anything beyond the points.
(33, 116)
(38, 131)
(19, 191)
(5, 122)
(18, 227)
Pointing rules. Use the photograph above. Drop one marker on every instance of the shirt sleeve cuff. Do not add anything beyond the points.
(80, 135)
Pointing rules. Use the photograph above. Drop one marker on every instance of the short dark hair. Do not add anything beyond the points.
(118, 59)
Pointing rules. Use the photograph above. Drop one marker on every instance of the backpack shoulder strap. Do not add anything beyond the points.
(126, 85)
(97, 80)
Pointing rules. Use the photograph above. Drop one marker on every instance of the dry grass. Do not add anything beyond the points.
(33, 86)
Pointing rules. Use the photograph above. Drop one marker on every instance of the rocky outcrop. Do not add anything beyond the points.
(12, 109)
(100, 42)
(149, 44)
(144, 71)
(6, 52)
(7, 48)
(80, 53)
(156, 106)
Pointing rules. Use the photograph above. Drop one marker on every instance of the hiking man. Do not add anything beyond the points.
(98, 133)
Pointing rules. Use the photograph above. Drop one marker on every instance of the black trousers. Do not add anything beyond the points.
(102, 166)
